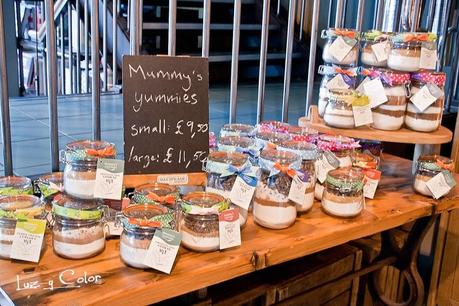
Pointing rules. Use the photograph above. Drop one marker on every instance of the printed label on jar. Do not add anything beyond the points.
(337, 82)
(428, 58)
(340, 48)
(229, 228)
(28, 239)
(163, 249)
(360, 88)
(242, 192)
(441, 184)
(372, 178)
(298, 190)
(173, 179)
(423, 99)
(109, 179)
(362, 115)
(381, 51)
(374, 89)
(325, 163)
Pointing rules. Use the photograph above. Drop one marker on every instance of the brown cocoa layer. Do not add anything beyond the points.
(273, 203)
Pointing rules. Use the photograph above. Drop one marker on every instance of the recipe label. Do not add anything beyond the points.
(374, 89)
(109, 179)
(28, 239)
(163, 250)
(381, 51)
(242, 191)
(297, 190)
(372, 178)
(428, 58)
(362, 115)
(340, 48)
(325, 163)
(423, 98)
(441, 184)
(337, 82)
(229, 228)
(359, 88)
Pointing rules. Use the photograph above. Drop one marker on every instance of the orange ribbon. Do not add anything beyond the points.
(416, 37)
(167, 199)
(344, 71)
(346, 33)
(271, 145)
(108, 151)
(285, 169)
(144, 223)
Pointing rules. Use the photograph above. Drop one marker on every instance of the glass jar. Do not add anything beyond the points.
(340, 146)
(243, 145)
(49, 185)
(11, 209)
(272, 126)
(80, 158)
(430, 119)
(427, 167)
(338, 112)
(371, 40)
(271, 206)
(364, 161)
(199, 223)
(350, 37)
(405, 52)
(343, 78)
(308, 154)
(270, 140)
(78, 230)
(391, 114)
(237, 129)
(15, 185)
(343, 194)
(139, 227)
(303, 134)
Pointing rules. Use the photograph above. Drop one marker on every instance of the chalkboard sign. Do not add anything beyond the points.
(166, 114)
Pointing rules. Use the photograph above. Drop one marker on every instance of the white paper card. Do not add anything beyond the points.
(337, 82)
(297, 191)
(109, 179)
(28, 239)
(242, 193)
(372, 178)
(362, 115)
(428, 59)
(229, 228)
(360, 89)
(323, 166)
(163, 249)
(339, 48)
(115, 228)
(374, 89)
(423, 98)
(381, 51)
(438, 185)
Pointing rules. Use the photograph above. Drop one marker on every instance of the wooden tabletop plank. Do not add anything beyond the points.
(395, 204)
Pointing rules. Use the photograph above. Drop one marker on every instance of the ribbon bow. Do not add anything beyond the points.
(247, 173)
(344, 71)
(108, 151)
(167, 199)
(250, 152)
(416, 37)
(284, 169)
(345, 33)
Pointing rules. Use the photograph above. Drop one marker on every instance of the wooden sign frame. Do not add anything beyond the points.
(193, 179)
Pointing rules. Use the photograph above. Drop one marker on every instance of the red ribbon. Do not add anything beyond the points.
(167, 199)
(345, 33)
(105, 152)
(344, 71)
(144, 223)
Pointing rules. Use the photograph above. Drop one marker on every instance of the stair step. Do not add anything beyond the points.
(198, 26)
(226, 57)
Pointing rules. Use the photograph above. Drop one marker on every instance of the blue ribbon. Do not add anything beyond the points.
(246, 173)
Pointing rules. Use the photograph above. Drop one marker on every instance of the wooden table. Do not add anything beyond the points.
(395, 204)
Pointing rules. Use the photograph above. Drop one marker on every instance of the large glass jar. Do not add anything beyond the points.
(12, 208)
(340, 146)
(78, 230)
(80, 158)
(350, 37)
(391, 114)
(243, 145)
(430, 119)
(15, 185)
(308, 154)
(427, 167)
(405, 53)
(271, 206)
(338, 112)
(199, 224)
(378, 40)
(237, 129)
(270, 140)
(334, 78)
(140, 222)
(343, 195)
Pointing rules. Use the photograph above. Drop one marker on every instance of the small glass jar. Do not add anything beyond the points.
(271, 206)
(405, 52)
(340, 146)
(15, 185)
(428, 120)
(308, 154)
(272, 126)
(12, 208)
(270, 140)
(199, 223)
(364, 161)
(343, 194)
(80, 158)
(350, 37)
(243, 145)
(427, 167)
(390, 115)
(338, 112)
(78, 230)
(237, 129)
(372, 38)
(349, 79)
(139, 227)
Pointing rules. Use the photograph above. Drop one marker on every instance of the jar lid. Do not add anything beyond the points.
(163, 194)
(387, 76)
(203, 203)
(438, 78)
(415, 37)
(376, 35)
(336, 143)
(237, 141)
(15, 185)
(144, 216)
(349, 73)
(307, 151)
(272, 126)
(277, 161)
(50, 184)
(238, 129)
(364, 160)
(230, 158)
(20, 206)
(295, 131)
(78, 209)
(89, 150)
(435, 163)
(270, 139)
(335, 32)
(346, 179)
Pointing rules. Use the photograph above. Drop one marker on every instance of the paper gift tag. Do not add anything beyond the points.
(423, 98)
(428, 58)
(337, 82)
(28, 239)
(297, 191)
(441, 184)
(372, 178)
(381, 51)
(229, 228)
(374, 89)
(340, 48)
(325, 163)
(109, 179)
(360, 89)
(163, 249)
(115, 228)
(242, 192)
(362, 115)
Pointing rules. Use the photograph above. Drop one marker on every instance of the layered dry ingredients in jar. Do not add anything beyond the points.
(427, 167)
(430, 118)
(391, 114)
(272, 207)
(376, 48)
(15, 185)
(334, 78)
(237, 129)
(80, 158)
(305, 134)
(405, 53)
(13, 208)
(343, 194)
(342, 47)
(140, 222)
(199, 222)
(338, 112)
(308, 154)
(78, 230)
(269, 140)
(239, 144)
